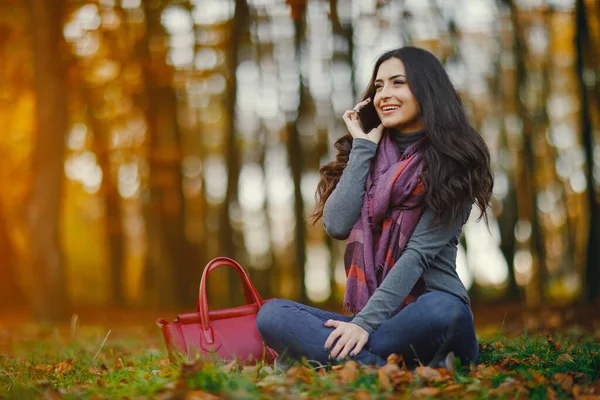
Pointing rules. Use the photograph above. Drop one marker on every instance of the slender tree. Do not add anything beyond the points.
(49, 292)
(167, 261)
(229, 237)
(295, 150)
(10, 291)
(113, 223)
(526, 179)
(585, 59)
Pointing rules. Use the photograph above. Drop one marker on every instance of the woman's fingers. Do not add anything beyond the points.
(337, 332)
(331, 323)
(350, 344)
(359, 346)
(340, 344)
(362, 104)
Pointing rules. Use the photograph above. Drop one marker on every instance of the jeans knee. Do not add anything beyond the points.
(268, 316)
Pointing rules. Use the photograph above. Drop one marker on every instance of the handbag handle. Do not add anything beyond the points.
(248, 295)
(202, 301)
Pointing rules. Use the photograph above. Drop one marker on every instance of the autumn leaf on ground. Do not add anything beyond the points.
(298, 374)
(565, 381)
(199, 395)
(349, 373)
(564, 358)
(95, 371)
(484, 371)
(43, 368)
(553, 343)
(63, 367)
(428, 374)
(532, 360)
(424, 393)
(386, 373)
(509, 362)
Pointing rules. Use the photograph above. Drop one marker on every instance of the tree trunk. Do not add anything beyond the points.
(49, 292)
(113, 223)
(582, 43)
(167, 263)
(230, 237)
(526, 180)
(10, 291)
(296, 153)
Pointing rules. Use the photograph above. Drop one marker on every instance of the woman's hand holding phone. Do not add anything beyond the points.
(352, 121)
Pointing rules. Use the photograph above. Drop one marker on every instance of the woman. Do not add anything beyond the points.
(401, 188)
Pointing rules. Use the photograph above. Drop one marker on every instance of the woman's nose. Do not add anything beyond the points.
(384, 94)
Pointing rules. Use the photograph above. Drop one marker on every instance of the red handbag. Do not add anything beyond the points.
(226, 334)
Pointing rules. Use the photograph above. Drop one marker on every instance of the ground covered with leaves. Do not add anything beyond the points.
(91, 361)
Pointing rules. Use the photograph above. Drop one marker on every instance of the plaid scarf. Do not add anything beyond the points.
(392, 206)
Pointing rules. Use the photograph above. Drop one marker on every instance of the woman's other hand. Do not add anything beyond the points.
(352, 121)
(351, 339)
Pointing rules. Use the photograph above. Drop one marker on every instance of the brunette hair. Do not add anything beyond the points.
(456, 166)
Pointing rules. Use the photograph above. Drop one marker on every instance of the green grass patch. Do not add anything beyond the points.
(41, 362)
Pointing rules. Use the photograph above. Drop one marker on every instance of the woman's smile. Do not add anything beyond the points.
(389, 109)
(394, 102)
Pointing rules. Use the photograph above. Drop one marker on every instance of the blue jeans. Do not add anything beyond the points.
(424, 331)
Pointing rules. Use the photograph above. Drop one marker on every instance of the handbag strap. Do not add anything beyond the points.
(248, 295)
(202, 298)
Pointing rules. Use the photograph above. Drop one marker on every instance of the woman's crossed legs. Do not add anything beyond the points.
(425, 330)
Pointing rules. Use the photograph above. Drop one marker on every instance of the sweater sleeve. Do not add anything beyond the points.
(344, 204)
(424, 245)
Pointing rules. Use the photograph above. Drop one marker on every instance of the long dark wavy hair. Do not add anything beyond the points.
(456, 164)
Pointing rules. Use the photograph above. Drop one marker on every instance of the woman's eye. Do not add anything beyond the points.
(398, 82)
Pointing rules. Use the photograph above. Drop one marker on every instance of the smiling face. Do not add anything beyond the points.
(394, 102)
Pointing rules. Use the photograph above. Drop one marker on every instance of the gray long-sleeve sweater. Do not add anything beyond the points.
(430, 251)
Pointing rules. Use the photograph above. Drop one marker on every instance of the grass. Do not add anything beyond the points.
(43, 362)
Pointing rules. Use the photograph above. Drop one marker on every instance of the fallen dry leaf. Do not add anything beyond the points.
(95, 371)
(362, 395)
(509, 362)
(452, 388)
(403, 378)
(199, 395)
(428, 374)
(551, 394)
(63, 367)
(483, 371)
(499, 345)
(553, 343)
(164, 362)
(539, 378)
(298, 373)
(44, 368)
(564, 358)
(386, 373)
(565, 381)
(532, 359)
(425, 392)
(349, 373)
(397, 359)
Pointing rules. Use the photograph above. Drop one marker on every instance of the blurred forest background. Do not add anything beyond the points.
(141, 138)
